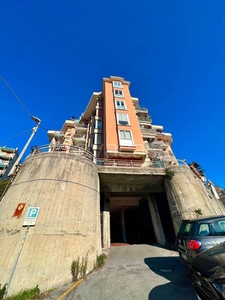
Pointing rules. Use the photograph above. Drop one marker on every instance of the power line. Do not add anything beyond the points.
(15, 95)
(14, 136)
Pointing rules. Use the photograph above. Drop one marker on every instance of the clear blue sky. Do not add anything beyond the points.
(54, 54)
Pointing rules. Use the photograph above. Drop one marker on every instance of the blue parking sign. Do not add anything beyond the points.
(31, 216)
(33, 212)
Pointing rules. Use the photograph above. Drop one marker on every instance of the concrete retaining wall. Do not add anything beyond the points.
(66, 188)
(186, 193)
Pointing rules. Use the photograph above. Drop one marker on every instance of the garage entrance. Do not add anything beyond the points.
(133, 224)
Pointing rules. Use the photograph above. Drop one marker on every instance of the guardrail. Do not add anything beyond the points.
(162, 163)
(63, 149)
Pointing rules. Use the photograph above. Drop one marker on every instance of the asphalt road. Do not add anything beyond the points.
(137, 272)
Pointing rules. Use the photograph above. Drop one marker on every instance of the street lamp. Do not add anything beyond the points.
(15, 166)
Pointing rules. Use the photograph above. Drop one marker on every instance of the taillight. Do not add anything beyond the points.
(194, 245)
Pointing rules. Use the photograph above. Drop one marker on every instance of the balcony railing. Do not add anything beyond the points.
(79, 136)
(59, 148)
(144, 119)
(141, 109)
(3, 156)
(148, 131)
(80, 125)
(118, 163)
(154, 146)
(161, 163)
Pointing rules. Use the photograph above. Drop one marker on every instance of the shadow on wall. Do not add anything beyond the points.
(179, 284)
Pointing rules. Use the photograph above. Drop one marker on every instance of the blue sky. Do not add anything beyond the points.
(54, 55)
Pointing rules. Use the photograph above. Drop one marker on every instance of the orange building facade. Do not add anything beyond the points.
(119, 128)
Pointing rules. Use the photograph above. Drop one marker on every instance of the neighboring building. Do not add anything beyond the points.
(8, 156)
(108, 177)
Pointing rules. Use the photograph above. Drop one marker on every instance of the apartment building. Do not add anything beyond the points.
(120, 136)
(8, 156)
(117, 130)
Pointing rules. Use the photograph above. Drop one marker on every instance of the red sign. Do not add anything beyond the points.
(19, 210)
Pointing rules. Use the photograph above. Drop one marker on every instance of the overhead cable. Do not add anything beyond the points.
(15, 136)
(15, 95)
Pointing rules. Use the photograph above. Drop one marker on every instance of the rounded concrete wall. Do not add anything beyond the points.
(66, 188)
(186, 194)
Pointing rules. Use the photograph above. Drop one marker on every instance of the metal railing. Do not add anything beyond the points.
(145, 119)
(154, 146)
(141, 108)
(80, 125)
(148, 131)
(59, 148)
(80, 136)
(162, 162)
(117, 163)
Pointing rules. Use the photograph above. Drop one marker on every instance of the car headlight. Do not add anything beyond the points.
(220, 288)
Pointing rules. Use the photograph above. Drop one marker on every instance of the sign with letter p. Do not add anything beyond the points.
(31, 216)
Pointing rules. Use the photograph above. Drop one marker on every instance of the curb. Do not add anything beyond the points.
(70, 289)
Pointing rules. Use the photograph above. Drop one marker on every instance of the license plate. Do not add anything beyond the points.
(184, 256)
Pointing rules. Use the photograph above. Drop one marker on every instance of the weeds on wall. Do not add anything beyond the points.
(100, 259)
(198, 212)
(169, 173)
(78, 268)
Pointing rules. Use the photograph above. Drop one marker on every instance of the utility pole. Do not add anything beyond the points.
(17, 162)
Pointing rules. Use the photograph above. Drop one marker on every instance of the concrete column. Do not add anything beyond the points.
(156, 222)
(123, 229)
(186, 194)
(106, 223)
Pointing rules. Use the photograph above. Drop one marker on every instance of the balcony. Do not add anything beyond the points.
(8, 150)
(5, 156)
(154, 146)
(141, 109)
(164, 144)
(81, 128)
(147, 132)
(118, 163)
(146, 119)
(79, 139)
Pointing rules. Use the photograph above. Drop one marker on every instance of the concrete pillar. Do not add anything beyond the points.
(156, 221)
(106, 223)
(123, 229)
(187, 194)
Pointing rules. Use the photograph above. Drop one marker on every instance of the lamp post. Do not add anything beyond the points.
(15, 166)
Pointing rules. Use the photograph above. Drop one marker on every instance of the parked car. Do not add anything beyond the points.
(208, 273)
(198, 235)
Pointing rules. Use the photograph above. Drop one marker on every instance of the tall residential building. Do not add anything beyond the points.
(115, 127)
(8, 156)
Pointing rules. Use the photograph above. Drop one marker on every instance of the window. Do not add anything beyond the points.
(118, 93)
(117, 84)
(98, 125)
(122, 119)
(125, 137)
(185, 228)
(120, 105)
(98, 139)
(204, 229)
